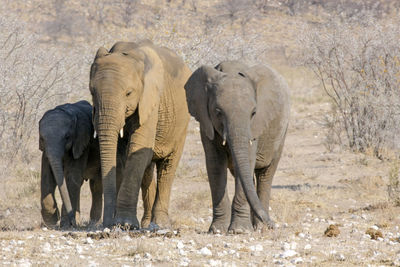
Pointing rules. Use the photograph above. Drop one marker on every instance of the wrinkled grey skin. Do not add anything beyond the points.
(138, 96)
(243, 113)
(70, 152)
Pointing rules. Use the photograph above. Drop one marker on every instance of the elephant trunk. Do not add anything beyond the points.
(239, 142)
(56, 166)
(108, 129)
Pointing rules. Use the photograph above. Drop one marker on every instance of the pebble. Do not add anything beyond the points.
(288, 253)
(180, 245)
(127, 238)
(297, 260)
(214, 262)
(106, 230)
(205, 252)
(88, 241)
(257, 247)
(46, 247)
(375, 227)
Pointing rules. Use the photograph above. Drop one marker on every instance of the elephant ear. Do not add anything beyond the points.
(197, 97)
(267, 86)
(153, 84)
(83, 133)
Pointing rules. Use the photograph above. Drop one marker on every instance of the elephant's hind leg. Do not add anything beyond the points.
(166, 169)
(148, 195)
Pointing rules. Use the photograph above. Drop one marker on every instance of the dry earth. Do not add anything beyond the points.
(312, 189)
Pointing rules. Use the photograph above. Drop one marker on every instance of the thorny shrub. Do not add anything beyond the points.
(358, 66)
(32, 80)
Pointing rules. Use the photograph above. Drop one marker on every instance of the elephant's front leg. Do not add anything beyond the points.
(216, 163)
(148, 195)
(138, 158)
(96, 189)
(50, 213)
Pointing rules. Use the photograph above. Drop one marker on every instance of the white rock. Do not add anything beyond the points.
(184, 263)
(52, 236)
(44, 228)
(191, 242)
(180, 245)
(340, 257)
(205, 252)
(293, 245)
(79, 249)
(46, 247)
(231, 251)
(127, 238)
(182, 252)
(307, 247)
(106, 230)
(257, 247)
(375, 227)
(286, 246)
(316, 220)
(288, 253)
(7, 213)
(88, 241)
(147, 255)
(379, 239)
(20, 242)
(297, 260)
(214, 262)
(302, 235)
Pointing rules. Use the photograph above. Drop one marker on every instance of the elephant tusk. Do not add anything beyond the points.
(94, 134)
(251, 142)
(121, 132)
(224, 142)
(224, 138)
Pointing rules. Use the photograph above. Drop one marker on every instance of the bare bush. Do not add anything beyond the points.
(359, 68)
(32, 80)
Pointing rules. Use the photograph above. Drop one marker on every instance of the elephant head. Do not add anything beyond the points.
(65, 129)
(124, 82)
(227, 101)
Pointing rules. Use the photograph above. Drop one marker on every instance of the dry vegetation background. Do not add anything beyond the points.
(340, 165)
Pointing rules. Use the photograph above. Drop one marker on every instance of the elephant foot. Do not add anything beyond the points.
(127, 223)
(218, 227)
(259, 226)
(50, 219)
(240, 226)
(68, 221)
(145, 223)
(161, 219)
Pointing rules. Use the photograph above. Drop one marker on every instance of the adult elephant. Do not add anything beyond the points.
(137, 91)
(69, 150)
(243, 114)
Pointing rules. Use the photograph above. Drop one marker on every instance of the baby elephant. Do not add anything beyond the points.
(243, 113)
(70, 151)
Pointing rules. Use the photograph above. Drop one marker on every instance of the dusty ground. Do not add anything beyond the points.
(312, 189)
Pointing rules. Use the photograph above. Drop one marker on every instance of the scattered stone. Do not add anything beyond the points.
(374, 234)
(180, 245)
(307, 247)
(257, 247)
(297, 260)
(214, 262)
(72, 235)
(205, 252)
(46, 247)
(332, 231)
(106, 230)
(288, 253)
(88, 241)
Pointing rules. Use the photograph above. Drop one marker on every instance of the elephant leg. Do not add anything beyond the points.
(216, 164)
(73, 174)
(166, 169)
(127, 198)
(50, 212)
(96, 189)
(148, 195)
(264, 182)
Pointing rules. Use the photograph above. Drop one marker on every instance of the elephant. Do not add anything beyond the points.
(243, 114)
(70, 151)
(137, 91)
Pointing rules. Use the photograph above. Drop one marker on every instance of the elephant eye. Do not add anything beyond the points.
(253, 113)
(129, 93)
